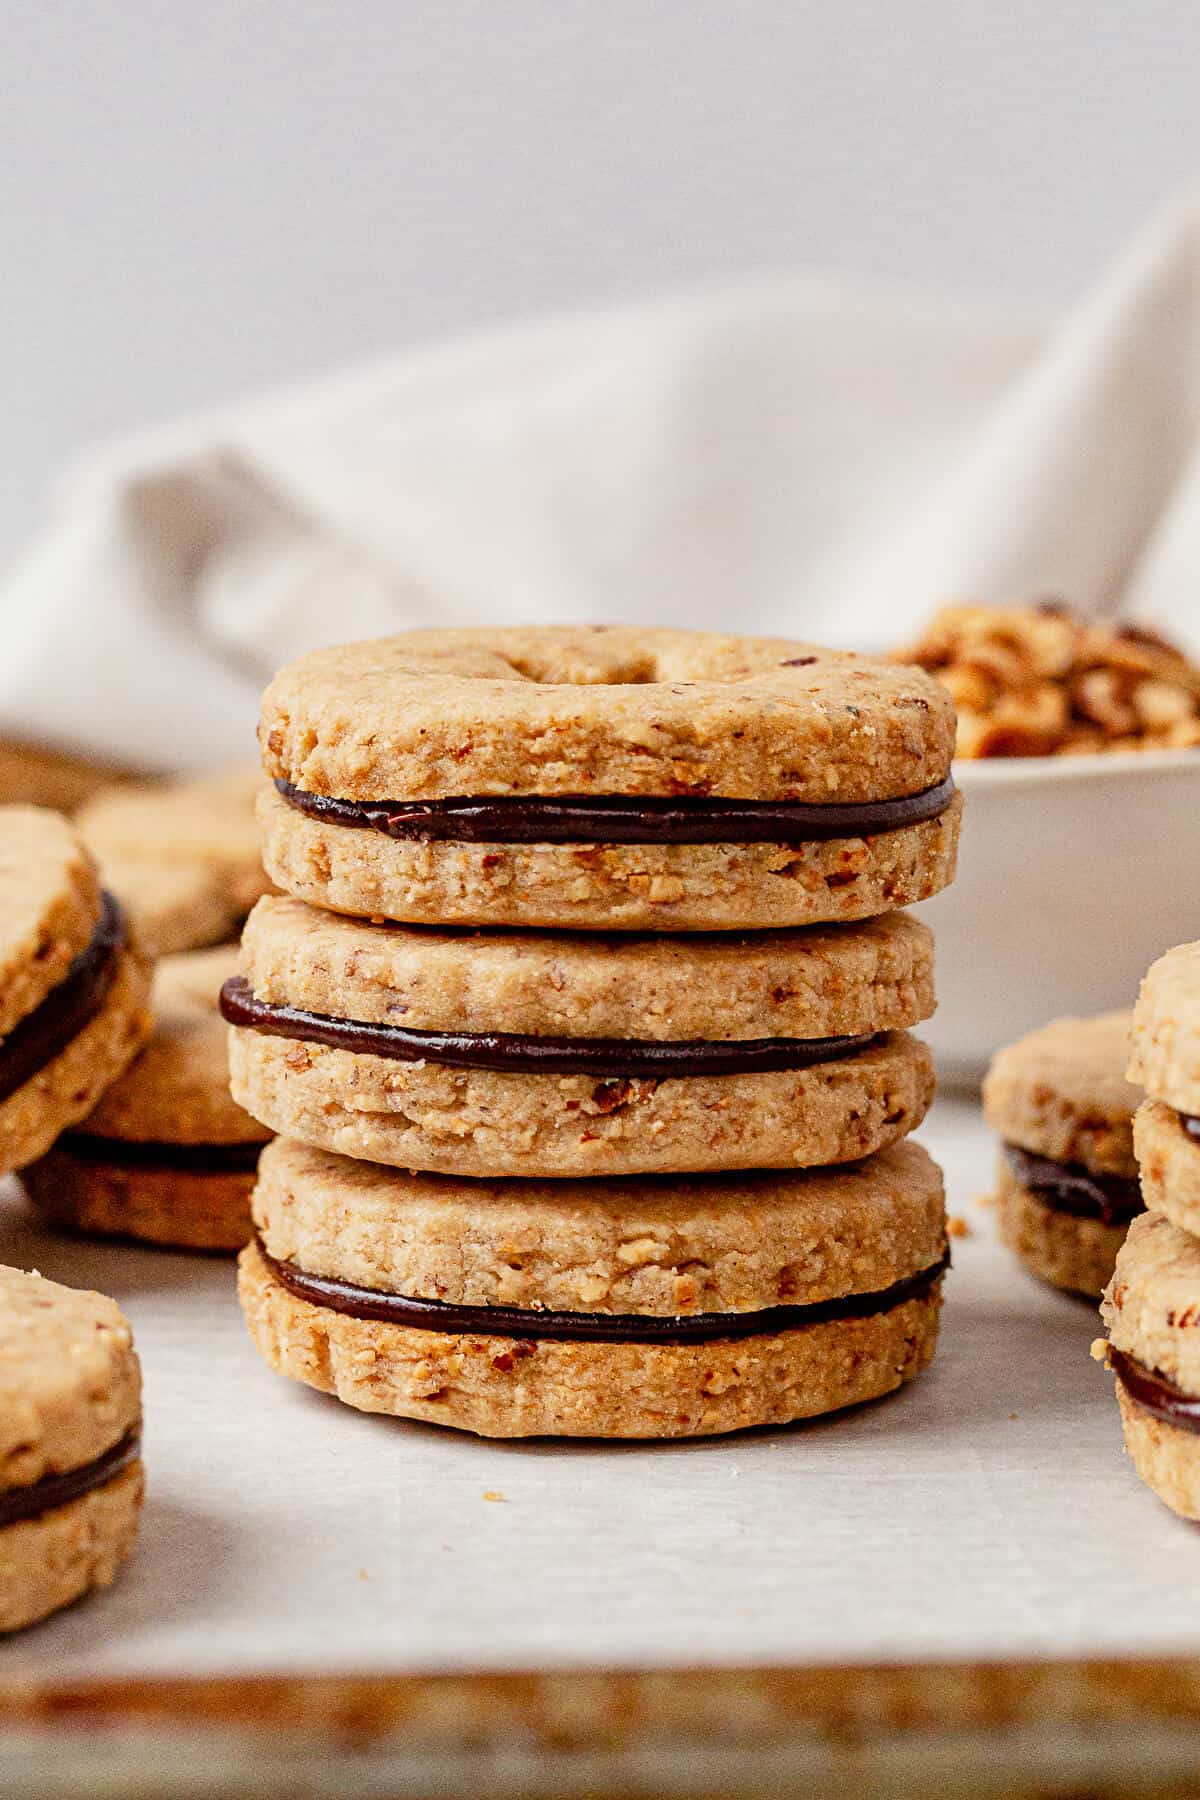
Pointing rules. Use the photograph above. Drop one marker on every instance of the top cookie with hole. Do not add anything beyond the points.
(607, 777)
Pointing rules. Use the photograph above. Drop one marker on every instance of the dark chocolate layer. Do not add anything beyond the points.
(58, 1490)
(44, 1033)
(1155, 1392)
(514, 1052)
(185, 1159)
(1070, 1188)
(589, 1328)
(620, 818)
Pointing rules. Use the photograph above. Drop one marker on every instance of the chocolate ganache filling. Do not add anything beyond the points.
(185, 1159)
(647, 1058)
(45, 1032)
(1156, 1393)
(59, 1490)
(592, 1328)
(1070, 1188)
(620, 818)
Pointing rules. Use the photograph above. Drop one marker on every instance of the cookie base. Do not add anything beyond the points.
(484, 1123)
(1074, 1254)
(68, 1087)
(507, 1388)
(1166, 1457)
(47, 1562)
(607, 887)
(169, 1207)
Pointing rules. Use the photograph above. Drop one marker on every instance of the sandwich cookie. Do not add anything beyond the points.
(168, 1156)
(1165, 1060)
(650, 1309)
(184, 857)
(606, 778)
(73, 992)
(1151, 1309)
(1067, 1187)
(533, 1055)
(70, 1457)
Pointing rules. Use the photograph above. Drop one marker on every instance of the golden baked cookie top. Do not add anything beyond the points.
(666, 1246)
(595, 710)
(70, 1386)
(826, 981)
(1061, 1092)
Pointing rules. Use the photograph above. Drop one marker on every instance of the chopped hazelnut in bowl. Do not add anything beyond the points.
(1079, 758)
(1041, 681)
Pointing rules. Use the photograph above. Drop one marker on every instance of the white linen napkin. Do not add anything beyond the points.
(787, 456)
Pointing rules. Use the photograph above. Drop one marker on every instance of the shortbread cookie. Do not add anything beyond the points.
(517, 1054)
(184, 857)
(659, 1308)
(168, 1156)
(606, 778)
(70, 1422)
(1166, 1061)
(73, 991)
(1151, 1309)
(1067, 1185)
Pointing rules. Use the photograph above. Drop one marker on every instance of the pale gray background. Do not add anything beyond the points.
(198, 199)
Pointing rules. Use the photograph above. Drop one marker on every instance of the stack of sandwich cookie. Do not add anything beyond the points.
(1067, 1187)
(70, 1455)
(704, 843)
(168, 1156)
(73, 987)
(1152, 1305)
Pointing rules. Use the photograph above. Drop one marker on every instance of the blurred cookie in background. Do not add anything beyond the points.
(184, 857)
(32, 775)
(1067, 1186)
(168, 1156)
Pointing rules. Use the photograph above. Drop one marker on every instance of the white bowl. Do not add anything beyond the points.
(1074, 873)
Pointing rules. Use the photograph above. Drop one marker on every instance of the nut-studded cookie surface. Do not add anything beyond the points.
(643, 1310)
(606, 778)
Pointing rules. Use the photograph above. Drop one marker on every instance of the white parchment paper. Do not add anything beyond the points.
(987, 1511)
